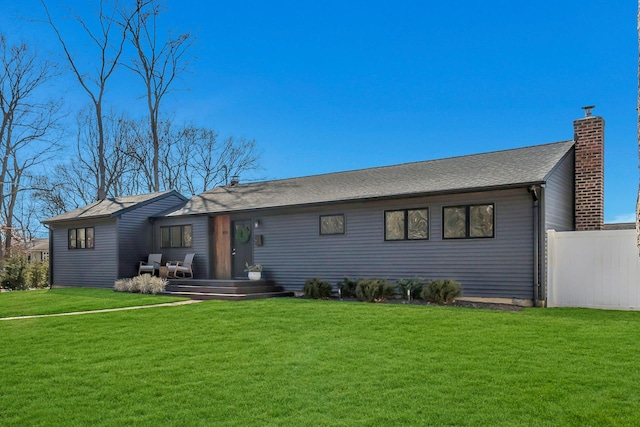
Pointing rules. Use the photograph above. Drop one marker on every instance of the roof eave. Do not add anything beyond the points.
(88, 218)
(368, 199)
(120, 211)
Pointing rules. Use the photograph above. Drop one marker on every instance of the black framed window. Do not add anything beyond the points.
(176, 236)
(468, 221)
(332, 224)
(406, 224)
(81, 238)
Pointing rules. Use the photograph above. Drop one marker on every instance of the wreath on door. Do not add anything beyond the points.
(243, 233)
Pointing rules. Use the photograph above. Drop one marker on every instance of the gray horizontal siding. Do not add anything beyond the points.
(85, 267)
(135, 234)
(559, 197)
(200, 244)
(293, 251)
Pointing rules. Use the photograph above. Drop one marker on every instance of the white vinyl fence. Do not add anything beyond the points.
(593, 269)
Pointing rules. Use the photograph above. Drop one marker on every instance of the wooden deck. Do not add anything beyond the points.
(236, 289)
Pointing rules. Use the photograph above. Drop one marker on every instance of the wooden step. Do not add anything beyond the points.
(229, 297)
(223, 289)
(221, 283)
(235, 289)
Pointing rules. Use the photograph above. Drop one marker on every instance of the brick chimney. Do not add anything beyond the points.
(589, 171)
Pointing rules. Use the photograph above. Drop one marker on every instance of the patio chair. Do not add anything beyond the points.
(152, 264)
(180, 269)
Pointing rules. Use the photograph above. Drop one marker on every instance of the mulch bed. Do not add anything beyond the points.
(488, 306)
(462, 304)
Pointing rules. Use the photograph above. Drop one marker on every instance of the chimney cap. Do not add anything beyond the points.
(588, 109)
(235, 180)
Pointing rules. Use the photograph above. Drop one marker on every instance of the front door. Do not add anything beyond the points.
(241, 247)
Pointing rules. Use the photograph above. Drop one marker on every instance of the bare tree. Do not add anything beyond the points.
(194, 160)
(211, 160)
(159, 61)
(27, 123)
(51, 199)
(108, 41)
(75, 183)
(140, 176)
(27, 221)
(199, 159)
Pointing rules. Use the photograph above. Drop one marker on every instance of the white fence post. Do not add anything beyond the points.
(551, 264)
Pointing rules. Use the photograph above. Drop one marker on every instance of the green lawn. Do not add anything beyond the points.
(295, 362)
(52, 301)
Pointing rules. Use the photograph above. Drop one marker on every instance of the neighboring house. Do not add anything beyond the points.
(101, 242)
(37, 250)
(479, 219)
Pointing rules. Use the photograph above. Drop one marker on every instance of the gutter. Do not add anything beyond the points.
(76, 219)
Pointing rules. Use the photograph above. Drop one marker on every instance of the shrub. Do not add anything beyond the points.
(371, 290)
(347, 287)
(441, 291)
(13, 273)
(158, 285)
(18, 274)
(123, 285)
(141, 283)
(412, 286)
(148, 284)
(317, 289)
(37, 274)
(145, 284)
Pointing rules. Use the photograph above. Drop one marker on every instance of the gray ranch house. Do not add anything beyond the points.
(480, 219)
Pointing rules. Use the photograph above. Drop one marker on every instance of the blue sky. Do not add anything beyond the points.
(333, 86)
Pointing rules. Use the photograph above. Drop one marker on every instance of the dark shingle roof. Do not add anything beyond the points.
(109, 207)
(41, 244)
(497, 169)
(620, 226)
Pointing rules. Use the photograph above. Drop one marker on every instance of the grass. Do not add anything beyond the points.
(53, 301)
(301, 362)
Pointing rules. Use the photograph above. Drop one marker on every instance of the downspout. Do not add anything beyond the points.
(50, 257)
(533, 190)
(153, 234)
(542, 249)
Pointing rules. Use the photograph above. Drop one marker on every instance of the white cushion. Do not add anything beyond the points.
(179, 268)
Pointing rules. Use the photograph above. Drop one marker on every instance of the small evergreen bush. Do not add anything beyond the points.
(441, 291)
(347, 287)
(412, 286)
(14, 272)
(18, 274)
(317, 289)
(374, 290)
(37, 274)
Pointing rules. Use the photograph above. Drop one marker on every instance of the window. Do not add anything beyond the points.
(81, 238)
(332, 224)
(176, 236)
(468, 222)
(406, 224)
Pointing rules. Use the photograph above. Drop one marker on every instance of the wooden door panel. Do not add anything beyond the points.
(222, 247)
